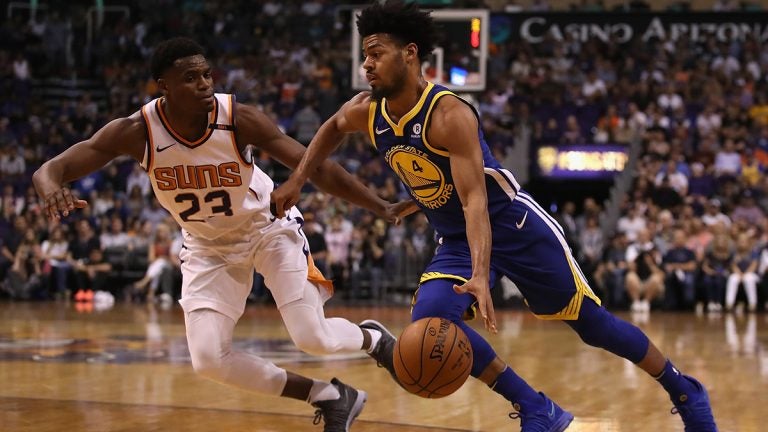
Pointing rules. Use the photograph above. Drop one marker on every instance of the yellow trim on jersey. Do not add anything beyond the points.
(371, 118)
(571, 311)
(398, 128)
(426, 120)
(469, 314)
(428, 276)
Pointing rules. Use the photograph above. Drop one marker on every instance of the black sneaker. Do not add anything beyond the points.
(385, 349)
(340, 413)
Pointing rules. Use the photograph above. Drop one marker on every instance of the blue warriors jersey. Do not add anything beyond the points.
(528, 245)
(426, 171)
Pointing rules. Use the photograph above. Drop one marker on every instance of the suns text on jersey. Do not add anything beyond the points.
(226, 174)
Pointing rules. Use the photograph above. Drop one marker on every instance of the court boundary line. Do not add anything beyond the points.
(242, 411)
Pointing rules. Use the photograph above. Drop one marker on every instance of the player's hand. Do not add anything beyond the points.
(284, 197)
(481, 290)
(61, 202)
(395, 212)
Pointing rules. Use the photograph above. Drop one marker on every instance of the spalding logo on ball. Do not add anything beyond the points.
(433, 357)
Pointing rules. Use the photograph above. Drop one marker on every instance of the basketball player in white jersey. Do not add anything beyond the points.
(194, 146)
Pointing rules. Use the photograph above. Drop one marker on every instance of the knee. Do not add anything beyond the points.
(315, 342)
(209, 362)
(592, 327)
(433, 307)
(632, 280)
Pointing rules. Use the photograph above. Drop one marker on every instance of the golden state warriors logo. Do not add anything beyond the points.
(425, 179)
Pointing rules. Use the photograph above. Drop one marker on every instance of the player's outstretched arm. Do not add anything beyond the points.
(119, 137)
(454, 127)
(256, 128)
(352, 116)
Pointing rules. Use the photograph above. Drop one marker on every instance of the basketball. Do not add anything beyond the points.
(433, 357)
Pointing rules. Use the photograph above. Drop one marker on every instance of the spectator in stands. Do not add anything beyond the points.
(669, 101)
(594, 87)
(612, 271)
(708, 121)
(716, 268)
(138, 179)
(752, 170)
(728, 161)
(115, 237)
(744, 273)
(54, 252)
(747, 213)
(591, 245)
(154, 213)
(632, 222)
(92, 275)
(713, 216)
(665, 196)
(159, 261)
(313, 230)
(645, 280)
(11, 202)
(338, 237)
(305, 123)
(12, 163)
(702, 184)
(572, 133)
(25, 278)
(677, 180)
(373, 260)
(679, 265)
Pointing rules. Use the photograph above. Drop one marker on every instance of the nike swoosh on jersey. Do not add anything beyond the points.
(520, 224)
(379, 132)
(159, 149)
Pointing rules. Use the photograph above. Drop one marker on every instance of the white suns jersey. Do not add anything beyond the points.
(207, 185)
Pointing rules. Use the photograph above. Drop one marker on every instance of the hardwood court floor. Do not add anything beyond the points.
(126, 369)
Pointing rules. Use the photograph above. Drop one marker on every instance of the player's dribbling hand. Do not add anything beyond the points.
(395, 212)
(284, 197)
(60, 203)
(482, 293)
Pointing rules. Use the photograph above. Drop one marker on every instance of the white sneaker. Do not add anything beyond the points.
(636, 306)
(646, 305)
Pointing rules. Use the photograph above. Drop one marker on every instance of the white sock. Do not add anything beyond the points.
(322, 391)
(375, 338)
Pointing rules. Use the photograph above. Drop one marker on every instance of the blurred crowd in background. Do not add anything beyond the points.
(693, 231)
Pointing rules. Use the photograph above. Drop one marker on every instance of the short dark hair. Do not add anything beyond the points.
(167, 52)
(404, 21)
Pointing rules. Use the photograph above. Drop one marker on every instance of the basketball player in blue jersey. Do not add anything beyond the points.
(194, 145)
(487, 225)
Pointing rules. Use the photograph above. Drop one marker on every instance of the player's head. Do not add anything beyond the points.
(397, 37)
(183, 74)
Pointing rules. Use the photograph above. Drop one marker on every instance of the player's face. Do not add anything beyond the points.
(385, 65)
(189, 84)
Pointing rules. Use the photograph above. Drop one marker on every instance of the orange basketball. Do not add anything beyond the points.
(433, 357)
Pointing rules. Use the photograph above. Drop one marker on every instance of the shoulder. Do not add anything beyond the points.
(450, 107)
(133, 124)
(128, 134)
(252, 122)
(359, 103)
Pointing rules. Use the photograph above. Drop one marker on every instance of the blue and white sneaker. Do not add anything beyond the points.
(695, 410)
(549, 418)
